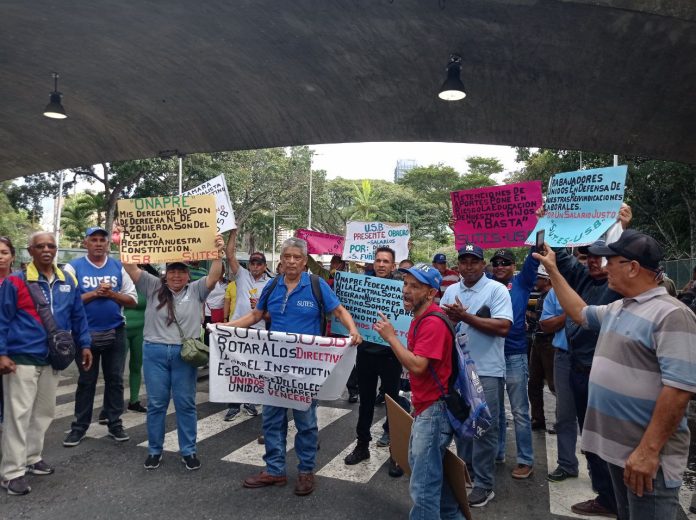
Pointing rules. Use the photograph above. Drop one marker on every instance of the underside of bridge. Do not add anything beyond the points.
(142, 77)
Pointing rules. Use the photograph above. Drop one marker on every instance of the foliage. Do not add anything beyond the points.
(14, 224)
(79, 213)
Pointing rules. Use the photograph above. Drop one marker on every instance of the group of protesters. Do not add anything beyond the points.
(613, 346)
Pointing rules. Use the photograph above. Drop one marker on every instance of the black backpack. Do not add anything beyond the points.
(316, 292)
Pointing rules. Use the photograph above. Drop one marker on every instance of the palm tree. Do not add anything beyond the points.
(365, 202)
(78, 214)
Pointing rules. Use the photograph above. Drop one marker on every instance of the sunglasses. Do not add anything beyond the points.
(498, 263)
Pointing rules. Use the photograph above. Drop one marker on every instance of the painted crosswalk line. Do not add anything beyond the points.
(71, 389)
(252, 453)
(363, 471)
(562, 495)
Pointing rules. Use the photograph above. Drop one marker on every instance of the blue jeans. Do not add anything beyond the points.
(479, 454)
(432, 497)
(275, 431)
(166, 376)
(566, 414)
(516, 377)
(661, 504)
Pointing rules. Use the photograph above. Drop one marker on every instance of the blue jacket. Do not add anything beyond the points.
(21, 330)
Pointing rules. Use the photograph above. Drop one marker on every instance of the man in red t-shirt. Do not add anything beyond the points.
(428, 355)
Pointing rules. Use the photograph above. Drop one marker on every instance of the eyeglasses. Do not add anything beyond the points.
(44, 246)
(498, 263)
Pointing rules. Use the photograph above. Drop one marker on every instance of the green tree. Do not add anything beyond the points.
(366, 203)
(78, 214)
(14, 224)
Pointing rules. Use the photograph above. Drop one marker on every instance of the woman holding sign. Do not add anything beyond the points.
(174, 309)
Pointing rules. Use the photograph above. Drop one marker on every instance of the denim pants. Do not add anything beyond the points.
(113, 358)
(168, 376)
(660, 504)
(431, 434)
(275, 431)
(516, 377)
(479, 454)
(566, 414)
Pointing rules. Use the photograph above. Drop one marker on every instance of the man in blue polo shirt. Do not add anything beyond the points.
(293, 308)
(482, 308)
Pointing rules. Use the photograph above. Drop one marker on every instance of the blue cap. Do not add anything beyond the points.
(426, 274)
(440, 258)
(95, 229)
(471, 249)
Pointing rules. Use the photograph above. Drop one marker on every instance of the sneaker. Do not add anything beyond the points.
(153, 461)
(191, 461)
(360, 453)
(479, 497)
(352, 397)
(102, 418)
(500, 460)
(40, 468)
(592, 508)
(559, 475)
(379, 400)
(538, 425)
(73, 438)
(136, 407)
(395, 470)
(522, 471)
(250, 409)
(232, 413)
(118, 434)
(383, 441)
(16, 486)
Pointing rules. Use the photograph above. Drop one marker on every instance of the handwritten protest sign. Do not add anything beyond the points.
(363, 296)
(167, 229)
(321, 243)
(277, 368)
(496, 216)
(362, 238)
(580, 206)
(218, 186)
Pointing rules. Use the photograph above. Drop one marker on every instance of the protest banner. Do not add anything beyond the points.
(277, 368)
(321, 243)
(495, 216)
(581, 206)
(167, 229)
(362, 238)
(225, 214)
(363, 296)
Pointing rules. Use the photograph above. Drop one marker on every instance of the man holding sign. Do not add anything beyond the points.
(293, 308)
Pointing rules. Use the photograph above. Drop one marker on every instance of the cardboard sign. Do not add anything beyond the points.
(454, 468)
(362, 238)
(321, 243)
(497, 216)
(167, 229)
(277, 368)
(363, 296)
(218, 186)
(581, 206)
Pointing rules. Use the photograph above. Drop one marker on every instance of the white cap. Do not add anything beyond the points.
(542, 272)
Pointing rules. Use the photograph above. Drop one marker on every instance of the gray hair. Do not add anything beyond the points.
(294, 242)
(35, 234)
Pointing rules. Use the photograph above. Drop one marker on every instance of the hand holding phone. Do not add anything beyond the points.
(540, 238)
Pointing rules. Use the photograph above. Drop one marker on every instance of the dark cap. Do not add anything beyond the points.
(426, 274)
(180, 266)
(505, 254)
(633, 245)
(471, 249)
(258, 255)
(440, 258)
(585, 250)
(95, 229)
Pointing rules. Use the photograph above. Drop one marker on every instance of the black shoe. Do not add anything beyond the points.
(551, 430)
(538, 425)
(153, 461)
(379, 400)
(102, 418)
(137, 407)
(73, 438)
(352, 397)
(559, 475)
(360, 453)
(394, 469)
(191, 461)
(118, 434)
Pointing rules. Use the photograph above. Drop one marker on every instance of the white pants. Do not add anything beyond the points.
(30, 403)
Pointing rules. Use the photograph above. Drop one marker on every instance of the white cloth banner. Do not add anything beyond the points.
(277, 368)
(362, 238)
(225, 214)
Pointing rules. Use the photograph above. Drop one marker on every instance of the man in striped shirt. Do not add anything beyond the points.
(643, 375)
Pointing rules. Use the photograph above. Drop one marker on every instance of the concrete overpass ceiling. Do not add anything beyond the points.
(140, 77)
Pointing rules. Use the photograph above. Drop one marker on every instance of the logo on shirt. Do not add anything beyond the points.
(306, 303)
(64, 288)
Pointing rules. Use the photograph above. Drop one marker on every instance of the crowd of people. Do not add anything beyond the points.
(613, 346)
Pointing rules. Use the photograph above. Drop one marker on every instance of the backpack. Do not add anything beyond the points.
(316, 292)
(467, 410)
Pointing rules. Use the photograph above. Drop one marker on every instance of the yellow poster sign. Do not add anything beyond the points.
(168, 229)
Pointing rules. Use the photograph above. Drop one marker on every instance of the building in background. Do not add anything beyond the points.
(402, 167)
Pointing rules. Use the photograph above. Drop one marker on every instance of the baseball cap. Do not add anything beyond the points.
(440, 258)
(426, 274)
(633, 245)
(471, 249)
(505, 254)
(541, 272)
(180, 266)
(258, 255)
(95, 229)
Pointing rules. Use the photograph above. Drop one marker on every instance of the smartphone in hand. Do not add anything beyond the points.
(540, 238)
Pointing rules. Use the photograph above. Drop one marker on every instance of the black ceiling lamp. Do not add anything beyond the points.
(55, 109)
(453, 88)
